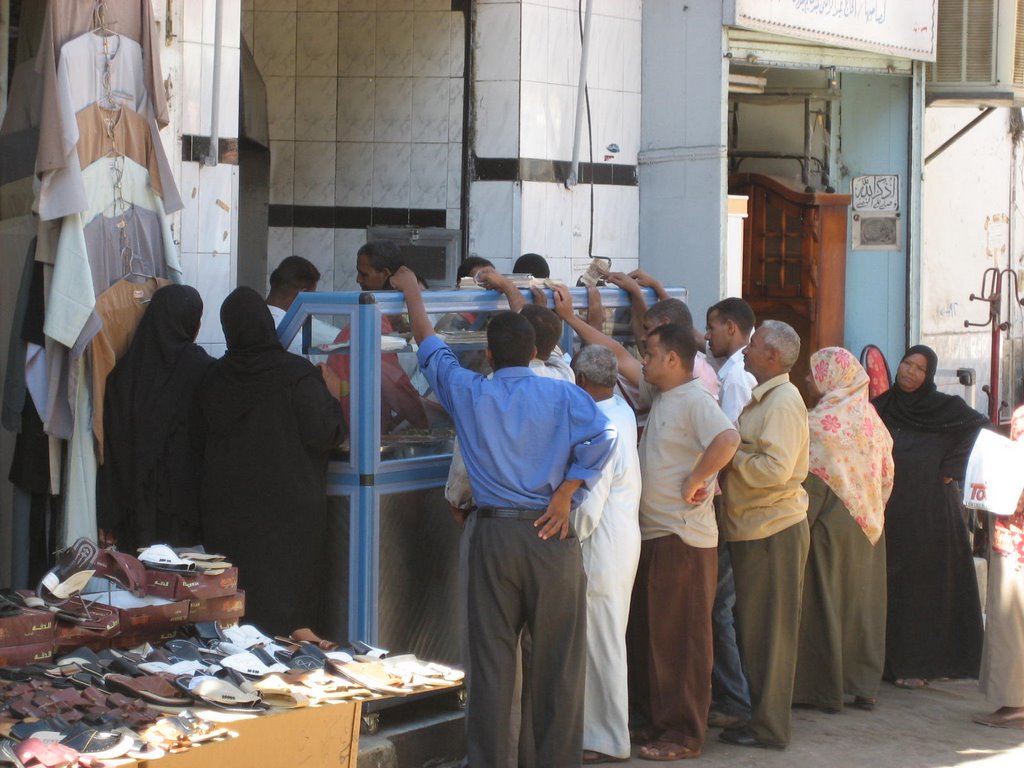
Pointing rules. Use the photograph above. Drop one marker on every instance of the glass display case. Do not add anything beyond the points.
(394, 573)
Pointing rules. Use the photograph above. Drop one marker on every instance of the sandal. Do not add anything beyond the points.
(867, 703)
(910, 683)
(592, 757)
(663, 751)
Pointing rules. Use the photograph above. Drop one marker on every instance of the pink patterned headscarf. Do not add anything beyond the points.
(851, 449)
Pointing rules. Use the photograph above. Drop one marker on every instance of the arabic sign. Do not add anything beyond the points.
(904, 28)
(880, 192)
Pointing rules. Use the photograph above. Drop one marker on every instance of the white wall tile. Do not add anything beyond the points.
(248, 5)
(533, 234)
(317, 5)
(533, 120)
(558, 224)
(581, 220)
(282, 172)
(314, 173)
(318, 52)
(563, 47)
(490, 220)
(393, 56)
(192, 89)
(281, 107)
(432, 5)
(606, 116)
(275, 44)
(534, 52)
(428, 175)
(188, 230)
(631, 56)
(456, 97)
(561, 118)
(215, 194)
(346, 243)
(453, 218)
(279, 245)
(355, 108)
(496, 124)
(192, 21)
(317, 245)
(395, 5)
(189, 268)
(354, 176)
(630, 143)
(430, 109)
(496, 43)
(214, 284)
(357, 5)
(230, 73)
(316, 108)
(391, 175)
(357, 43)
(392, 109)
(458, 45)
(605, 67)
(230, 24)
(454, 183)
(432, 44)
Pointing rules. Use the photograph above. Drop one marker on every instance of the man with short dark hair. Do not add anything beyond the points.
(686, 442)
(765, 523)
(470, 266)
(295, 275)
(532, 448)
(376, 262)
(729, 324)
(532, 264)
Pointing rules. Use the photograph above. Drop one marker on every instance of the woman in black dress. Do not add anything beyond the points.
(268, 421)
(934, 626)
(148, 485)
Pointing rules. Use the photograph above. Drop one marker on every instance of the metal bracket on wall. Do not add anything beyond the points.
(959, 135)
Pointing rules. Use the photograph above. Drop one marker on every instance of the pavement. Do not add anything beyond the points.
(928, 728)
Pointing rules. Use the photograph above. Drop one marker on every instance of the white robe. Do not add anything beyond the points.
(608, 526)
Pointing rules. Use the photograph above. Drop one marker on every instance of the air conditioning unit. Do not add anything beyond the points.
(979, 57)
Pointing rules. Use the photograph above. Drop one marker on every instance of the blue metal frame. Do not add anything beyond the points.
(365, 478)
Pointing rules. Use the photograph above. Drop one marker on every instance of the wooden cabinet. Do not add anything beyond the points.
(794, 261)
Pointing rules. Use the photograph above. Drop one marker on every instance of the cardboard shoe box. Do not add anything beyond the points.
(191, 586)
(22, 655)
(143, 614)
(30, 627)
(227, 608)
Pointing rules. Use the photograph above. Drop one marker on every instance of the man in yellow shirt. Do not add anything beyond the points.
(765, 523)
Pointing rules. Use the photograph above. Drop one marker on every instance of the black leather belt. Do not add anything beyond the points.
(509, 513)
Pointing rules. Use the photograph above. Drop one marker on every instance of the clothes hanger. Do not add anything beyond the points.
(102, 27)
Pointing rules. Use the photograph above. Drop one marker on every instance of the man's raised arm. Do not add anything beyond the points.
(629, 366)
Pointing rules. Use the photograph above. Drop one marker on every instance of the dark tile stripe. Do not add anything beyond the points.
(551, 171)
(328, 217)
(195, 149)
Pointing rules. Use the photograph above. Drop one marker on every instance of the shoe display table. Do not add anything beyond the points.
(324, 736)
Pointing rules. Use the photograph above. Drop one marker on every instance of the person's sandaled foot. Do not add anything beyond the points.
(592, 757)
(642, 734)
(867, 703)
(664, 751)
(910, 683)
(1004, 717)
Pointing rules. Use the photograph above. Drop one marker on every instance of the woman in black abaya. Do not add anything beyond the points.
(934, 626)
(268, 421)
(148, 487)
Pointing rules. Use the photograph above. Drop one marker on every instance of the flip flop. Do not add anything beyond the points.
(222, 694)
(910, 683)
(278, 693)
(664, 751)
(996, 720)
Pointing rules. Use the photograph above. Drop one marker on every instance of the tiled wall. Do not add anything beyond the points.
(527, 57)
(365, 112)
(204, 229)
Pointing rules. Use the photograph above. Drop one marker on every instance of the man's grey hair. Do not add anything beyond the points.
(783, 339)
(598, 364)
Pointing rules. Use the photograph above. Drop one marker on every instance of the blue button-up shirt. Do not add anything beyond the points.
(522, 435)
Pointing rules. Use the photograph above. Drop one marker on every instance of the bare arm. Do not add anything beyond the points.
(495, 281)
(637, 305)
(595, 310)
(647, 281)
(629, 366)
(405, 280)
(717, 456)
(556, 519)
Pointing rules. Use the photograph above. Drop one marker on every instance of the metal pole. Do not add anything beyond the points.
(218, 27)
(958, 135)
(581, 98)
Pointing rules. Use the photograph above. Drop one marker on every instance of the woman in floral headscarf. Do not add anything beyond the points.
(1002, 660)
(842, 626)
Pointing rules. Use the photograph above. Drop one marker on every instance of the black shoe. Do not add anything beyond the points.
(741, 737)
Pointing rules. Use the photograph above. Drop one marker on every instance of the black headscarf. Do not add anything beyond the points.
(926, 409)
(148, 397)
(255, 364)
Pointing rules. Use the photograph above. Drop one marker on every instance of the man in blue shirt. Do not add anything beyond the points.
(532, 447)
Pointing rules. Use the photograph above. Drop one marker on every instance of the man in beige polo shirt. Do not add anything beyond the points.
(688, 439)
(765, 523)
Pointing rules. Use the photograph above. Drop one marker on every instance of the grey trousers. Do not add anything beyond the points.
(769, 586)
(516, 580)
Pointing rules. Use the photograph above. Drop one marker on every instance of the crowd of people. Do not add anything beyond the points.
(655, 542)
